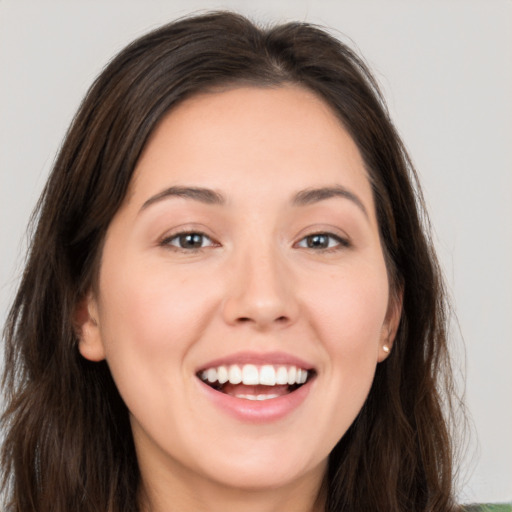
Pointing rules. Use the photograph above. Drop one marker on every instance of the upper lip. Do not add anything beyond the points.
(258, 358)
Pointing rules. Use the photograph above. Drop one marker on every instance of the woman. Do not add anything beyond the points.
(230, 300)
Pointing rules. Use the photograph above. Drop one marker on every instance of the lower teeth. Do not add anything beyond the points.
(256, 397)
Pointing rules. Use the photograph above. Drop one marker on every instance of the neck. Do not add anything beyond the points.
(185, 494)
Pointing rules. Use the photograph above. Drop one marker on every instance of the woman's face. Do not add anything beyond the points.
(247, 248)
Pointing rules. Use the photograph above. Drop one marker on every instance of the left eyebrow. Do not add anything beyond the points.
(203, 195)
(315, 195)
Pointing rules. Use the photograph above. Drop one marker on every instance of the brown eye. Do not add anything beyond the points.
(189, 241)
(319, 241)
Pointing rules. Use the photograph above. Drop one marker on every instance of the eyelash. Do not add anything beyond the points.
(339, 242)
(182, 236)
(334, 242)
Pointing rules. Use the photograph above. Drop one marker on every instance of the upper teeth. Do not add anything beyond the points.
(250, 374)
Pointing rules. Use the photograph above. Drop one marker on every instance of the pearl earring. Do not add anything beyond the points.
(386, 349)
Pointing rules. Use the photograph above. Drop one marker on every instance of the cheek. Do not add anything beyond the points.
(348, 313)
(149, 319)
(150, 306)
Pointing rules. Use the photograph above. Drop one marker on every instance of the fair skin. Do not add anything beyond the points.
(248, 236)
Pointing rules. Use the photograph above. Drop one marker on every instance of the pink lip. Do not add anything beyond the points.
(256, 358)
(254, 411)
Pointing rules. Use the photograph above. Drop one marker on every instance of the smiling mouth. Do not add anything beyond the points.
(256, 382)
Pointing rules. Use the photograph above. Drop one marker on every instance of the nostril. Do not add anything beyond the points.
(244, 319)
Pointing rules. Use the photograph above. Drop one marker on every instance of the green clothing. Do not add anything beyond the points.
(488, 508)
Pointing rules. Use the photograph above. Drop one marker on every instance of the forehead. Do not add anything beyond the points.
(277, 139)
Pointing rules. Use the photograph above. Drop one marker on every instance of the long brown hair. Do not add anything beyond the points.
(68, 444)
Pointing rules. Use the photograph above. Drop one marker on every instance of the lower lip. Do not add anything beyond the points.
(258, 411)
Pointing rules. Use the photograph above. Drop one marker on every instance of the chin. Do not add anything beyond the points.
(271, 465)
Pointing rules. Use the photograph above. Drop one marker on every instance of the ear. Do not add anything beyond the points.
(390, 326)
(87, 329)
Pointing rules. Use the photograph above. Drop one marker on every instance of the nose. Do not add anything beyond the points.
(260, 291)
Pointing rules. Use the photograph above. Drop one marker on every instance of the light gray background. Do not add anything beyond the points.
(446, 69)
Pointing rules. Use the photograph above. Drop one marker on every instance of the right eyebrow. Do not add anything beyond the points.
(315, 195)
(203, 195)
